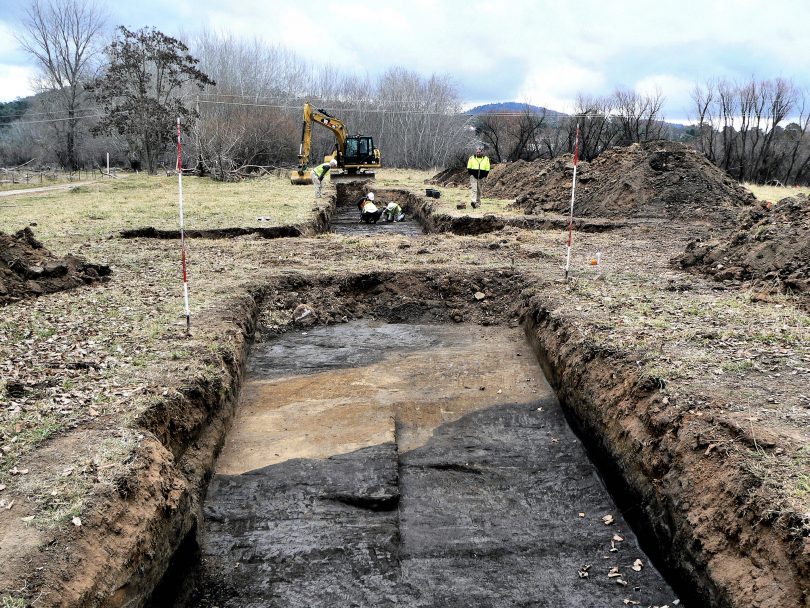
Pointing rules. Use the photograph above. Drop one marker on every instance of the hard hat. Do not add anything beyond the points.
(333, 162)
(391, 206)
(371, 196)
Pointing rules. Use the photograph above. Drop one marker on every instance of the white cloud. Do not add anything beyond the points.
(672, 87)
(8, 44)
(15, 81)
(556, 85)
(543, 52)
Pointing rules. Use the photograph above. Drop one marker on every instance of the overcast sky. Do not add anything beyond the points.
(538, 52)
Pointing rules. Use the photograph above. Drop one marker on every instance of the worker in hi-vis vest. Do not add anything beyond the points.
(478, 168)
(319, 173)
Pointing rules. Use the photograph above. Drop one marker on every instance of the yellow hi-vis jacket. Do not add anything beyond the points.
(322, 170)
(478, 166)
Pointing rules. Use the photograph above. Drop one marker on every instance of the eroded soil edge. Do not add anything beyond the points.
(720, 541)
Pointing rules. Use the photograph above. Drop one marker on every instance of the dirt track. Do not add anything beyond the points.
(676, 381)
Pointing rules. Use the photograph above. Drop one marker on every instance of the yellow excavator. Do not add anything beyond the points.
(354, 154)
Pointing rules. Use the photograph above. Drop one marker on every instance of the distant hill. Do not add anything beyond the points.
(512, 106)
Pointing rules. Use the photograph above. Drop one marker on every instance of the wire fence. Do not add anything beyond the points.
(48, 176)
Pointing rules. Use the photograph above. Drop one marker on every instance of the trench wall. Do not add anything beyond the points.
(323, 211)
(696, 509)
(423, 209)
(136, 532)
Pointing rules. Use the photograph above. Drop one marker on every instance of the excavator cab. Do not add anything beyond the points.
(359, 150)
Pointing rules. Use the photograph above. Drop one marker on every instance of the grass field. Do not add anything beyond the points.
(103, 208)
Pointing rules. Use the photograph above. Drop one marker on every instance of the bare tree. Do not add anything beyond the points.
(597, 131)
(515, 135)
(64, 36)
(741, 128)
(704, 101)
(779, 97)
(639, 116)
(797, 136)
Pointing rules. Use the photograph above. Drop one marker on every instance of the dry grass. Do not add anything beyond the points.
(776, 193)
(101, 209)
(716, 350)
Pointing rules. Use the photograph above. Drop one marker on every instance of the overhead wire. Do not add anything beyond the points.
(367, 110)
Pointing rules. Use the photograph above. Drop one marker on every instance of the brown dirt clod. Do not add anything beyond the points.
(28, 269)
(769, 249)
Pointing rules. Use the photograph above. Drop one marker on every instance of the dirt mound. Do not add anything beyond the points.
(506, 180)
(27, 269)
(658, 179)
(770, 248)
(454, 176)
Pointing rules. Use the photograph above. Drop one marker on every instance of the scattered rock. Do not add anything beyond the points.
(304, 315)
(583, 571)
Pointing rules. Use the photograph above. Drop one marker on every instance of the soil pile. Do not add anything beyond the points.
(770, 249)
(27, 269)
(658, 179)
(454, 176)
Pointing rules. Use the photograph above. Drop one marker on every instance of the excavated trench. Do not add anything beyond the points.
(346, 220)
(340, 215)
(416, 462)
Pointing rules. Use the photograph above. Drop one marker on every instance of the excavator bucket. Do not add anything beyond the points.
(299, 178)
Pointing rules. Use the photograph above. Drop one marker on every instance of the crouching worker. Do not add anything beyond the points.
(393, 213)
(319, 173)
(368, 210)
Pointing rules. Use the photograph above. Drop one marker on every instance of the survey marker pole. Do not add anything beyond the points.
(571, 214)
(182, 226)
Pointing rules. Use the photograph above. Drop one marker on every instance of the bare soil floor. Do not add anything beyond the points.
(425, 475)
(691, 392)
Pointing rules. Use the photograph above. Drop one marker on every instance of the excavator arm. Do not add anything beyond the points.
(330, 122)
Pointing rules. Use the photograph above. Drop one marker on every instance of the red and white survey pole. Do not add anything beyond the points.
(182, 225)
(571, 215)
